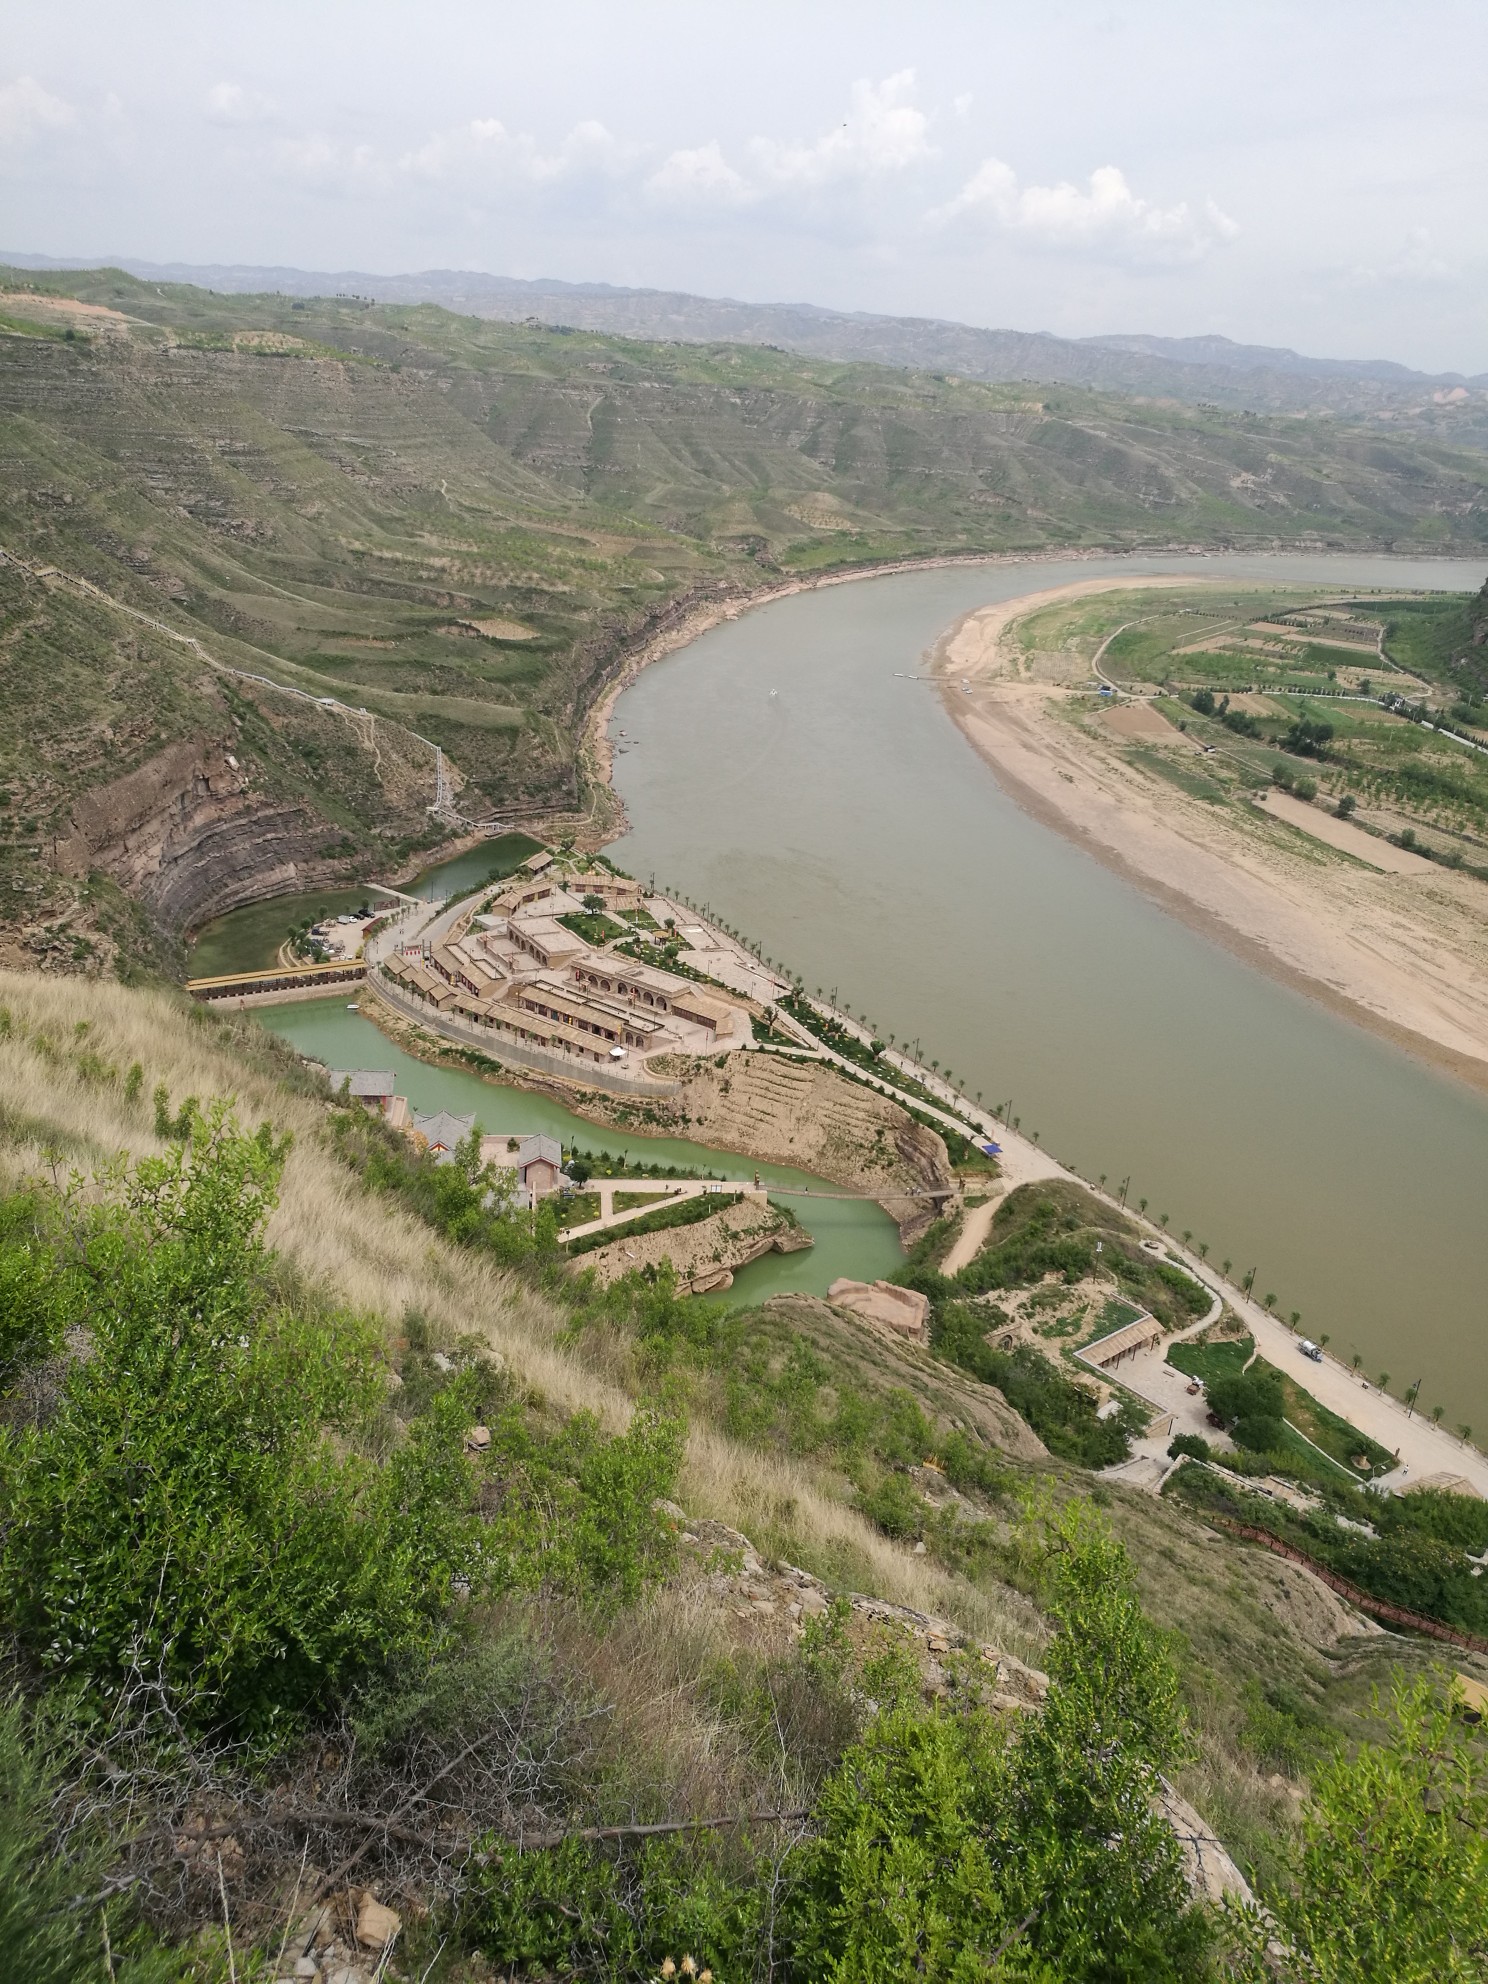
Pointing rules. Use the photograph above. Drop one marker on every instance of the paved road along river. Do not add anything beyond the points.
(779, 770)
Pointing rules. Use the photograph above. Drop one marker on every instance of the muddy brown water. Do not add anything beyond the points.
(781, 771)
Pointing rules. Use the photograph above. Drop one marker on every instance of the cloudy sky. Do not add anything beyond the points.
(1303, 172)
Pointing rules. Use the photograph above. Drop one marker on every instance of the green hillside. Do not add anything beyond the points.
(356, 1549)
(460, 526)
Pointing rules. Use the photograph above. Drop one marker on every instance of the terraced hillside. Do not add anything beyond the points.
(439, 534)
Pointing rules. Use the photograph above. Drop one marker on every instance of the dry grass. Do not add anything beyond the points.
(368, 1254)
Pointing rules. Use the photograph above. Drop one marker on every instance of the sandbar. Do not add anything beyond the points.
(1403, 953)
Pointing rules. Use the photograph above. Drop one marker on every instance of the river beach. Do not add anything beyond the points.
(1405, 954)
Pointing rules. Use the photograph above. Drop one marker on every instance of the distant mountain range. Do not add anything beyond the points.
(1200, 370)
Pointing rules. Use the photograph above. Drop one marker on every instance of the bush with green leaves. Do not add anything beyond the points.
(183, 1513)
(33, 1305)
(949, 1842)
(1388, 1881)
(219, 1502)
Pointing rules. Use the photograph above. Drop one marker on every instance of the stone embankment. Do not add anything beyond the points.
(707, 1255)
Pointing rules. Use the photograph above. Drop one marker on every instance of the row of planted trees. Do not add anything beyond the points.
(1003, 1112)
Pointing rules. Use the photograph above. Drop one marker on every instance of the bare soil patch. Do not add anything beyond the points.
(503, 630)
(58, 306)
(1343, 834)
(1140, 720)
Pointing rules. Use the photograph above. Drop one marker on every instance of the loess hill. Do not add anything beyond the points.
(456, 529)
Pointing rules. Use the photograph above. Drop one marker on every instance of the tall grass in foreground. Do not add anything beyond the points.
(67, 1101)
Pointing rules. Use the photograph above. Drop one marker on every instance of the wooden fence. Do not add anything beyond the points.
(1377, 1608)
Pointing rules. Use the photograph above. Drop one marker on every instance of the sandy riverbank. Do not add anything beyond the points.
(1404, 954)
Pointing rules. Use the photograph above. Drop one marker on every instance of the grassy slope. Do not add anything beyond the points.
(331, 509)
(56, 1109)
(785, 1459)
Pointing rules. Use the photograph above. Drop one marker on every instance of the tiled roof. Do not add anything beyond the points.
(443, 1129)
(373, 1083)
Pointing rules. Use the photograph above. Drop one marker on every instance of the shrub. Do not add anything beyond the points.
(181, 1513)
(1191, 1444)
(205, 1504)
(894, 1507)
(1259, 1433)
(34, 1295)
(1389, 1877)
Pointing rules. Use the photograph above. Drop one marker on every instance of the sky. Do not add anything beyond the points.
(1297, 172)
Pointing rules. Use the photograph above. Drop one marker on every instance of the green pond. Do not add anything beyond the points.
(853, 1236)
(247, 939)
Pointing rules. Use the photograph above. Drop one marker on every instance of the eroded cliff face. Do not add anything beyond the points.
(186, 835)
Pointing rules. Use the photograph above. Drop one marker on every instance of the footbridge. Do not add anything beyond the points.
(246, 988)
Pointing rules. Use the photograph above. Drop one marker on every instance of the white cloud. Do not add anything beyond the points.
(324, 166)
(1107, 217)
(701, 177)
(883, 132)
(27, 111)
(1417, 261)
(230, 103)
(486, 147)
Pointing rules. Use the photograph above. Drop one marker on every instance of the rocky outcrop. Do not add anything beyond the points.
(807, 1114)
(903, 1310)
(704, 1256)
(186, 835)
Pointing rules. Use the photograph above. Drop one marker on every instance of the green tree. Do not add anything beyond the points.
(1388, 1882)
(949, 1848)
(181, 1512)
